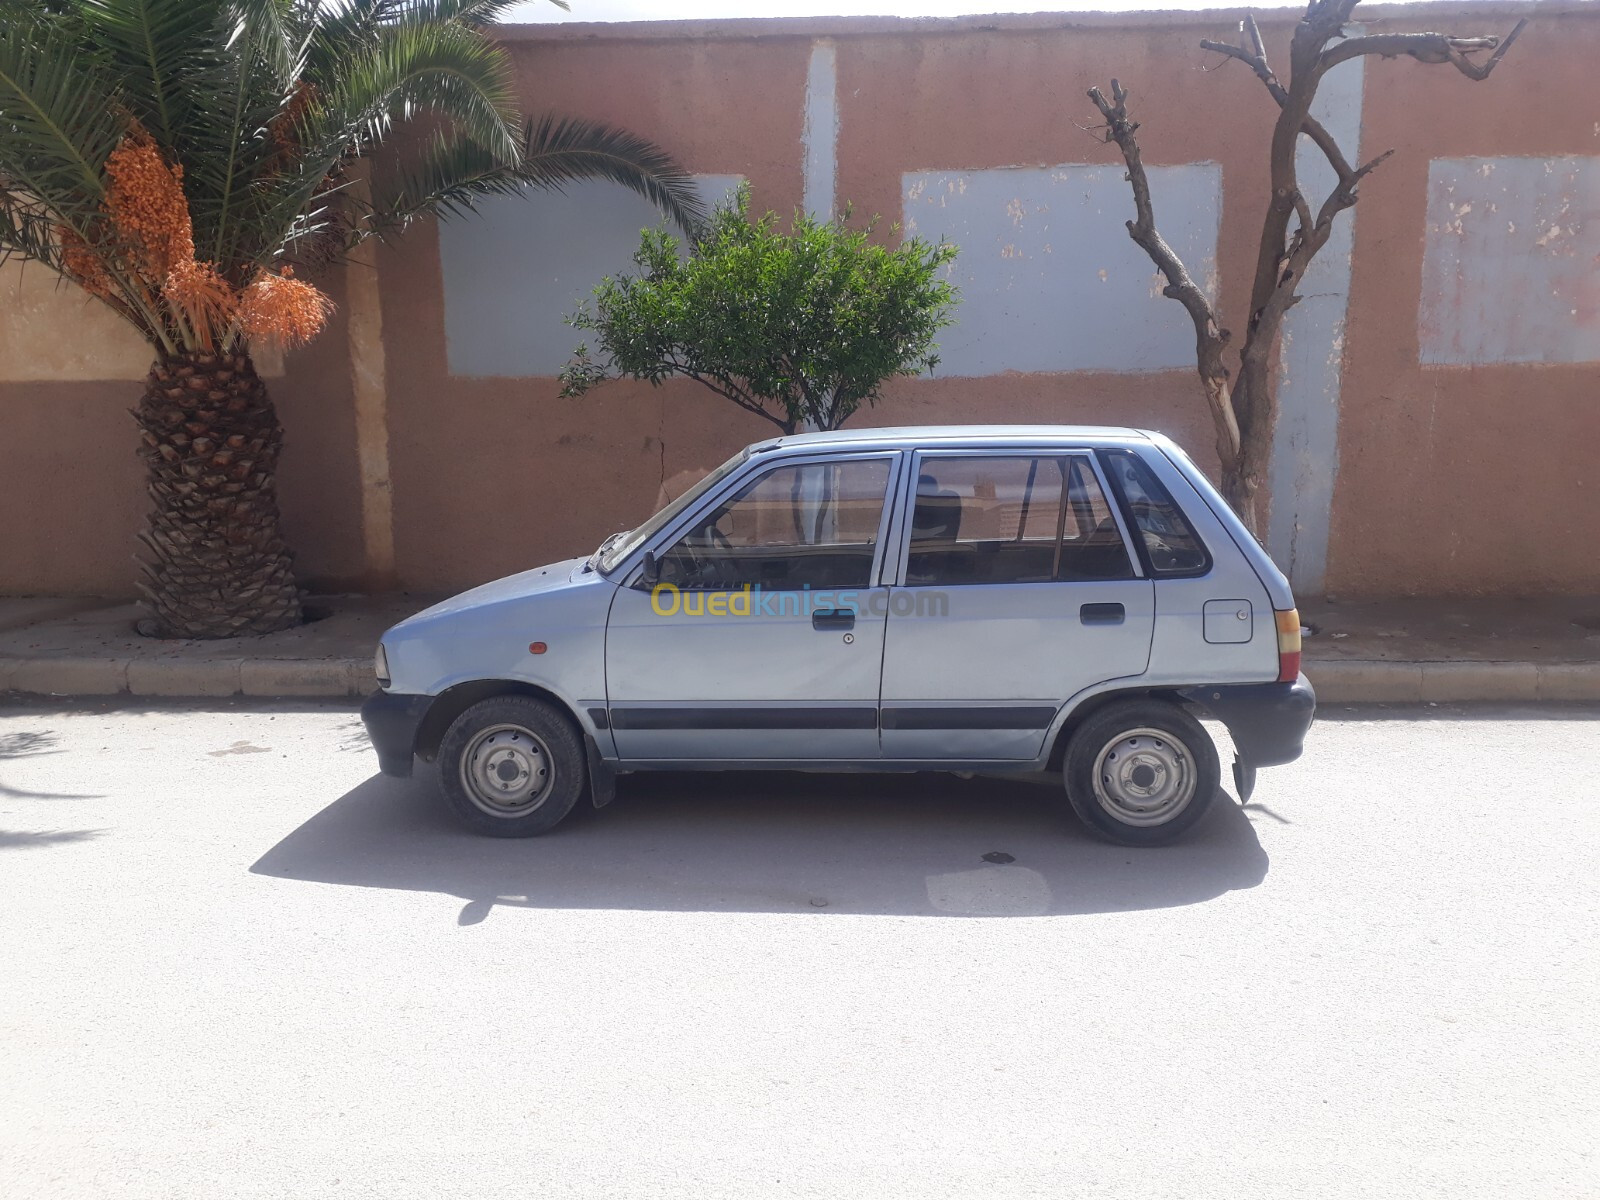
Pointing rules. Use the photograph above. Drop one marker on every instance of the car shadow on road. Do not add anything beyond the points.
(775, 843)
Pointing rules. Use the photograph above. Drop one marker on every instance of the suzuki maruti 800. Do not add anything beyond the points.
(979, 598)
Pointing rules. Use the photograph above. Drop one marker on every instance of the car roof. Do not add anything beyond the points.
(955, 437)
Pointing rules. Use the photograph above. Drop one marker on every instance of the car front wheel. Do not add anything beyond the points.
(511, 766)
(1141, 772)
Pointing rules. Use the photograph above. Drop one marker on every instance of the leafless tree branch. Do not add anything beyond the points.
(1303, 211)
(1435, 49)
(1254, 56)
(1210, 337)
(1243, 409)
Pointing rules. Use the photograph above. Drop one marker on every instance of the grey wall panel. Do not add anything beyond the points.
(1050, 280)
(1511, 262)
(515, 269)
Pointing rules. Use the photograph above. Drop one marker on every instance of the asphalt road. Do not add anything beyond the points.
(235, 963)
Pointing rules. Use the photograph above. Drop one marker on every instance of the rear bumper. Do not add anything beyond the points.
(1268, 721)
(392, 721)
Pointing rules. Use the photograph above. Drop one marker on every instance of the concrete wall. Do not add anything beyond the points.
(1438, 383)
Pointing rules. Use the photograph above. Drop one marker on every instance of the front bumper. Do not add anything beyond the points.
(392, 721)
(1268, 721)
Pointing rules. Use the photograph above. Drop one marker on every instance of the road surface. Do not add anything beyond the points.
(236, 963)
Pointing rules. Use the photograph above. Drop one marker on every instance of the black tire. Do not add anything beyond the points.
(526, 768)
(1163, 749)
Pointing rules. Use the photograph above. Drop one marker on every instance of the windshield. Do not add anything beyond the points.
(617, 548)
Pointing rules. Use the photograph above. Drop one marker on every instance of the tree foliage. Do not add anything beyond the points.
(179, 159)
(799, 328)
(176, 158)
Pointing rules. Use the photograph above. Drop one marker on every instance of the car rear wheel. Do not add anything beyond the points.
(1141, 772)
(511, 766)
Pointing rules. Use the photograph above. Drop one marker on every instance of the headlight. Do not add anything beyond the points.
(380, 666)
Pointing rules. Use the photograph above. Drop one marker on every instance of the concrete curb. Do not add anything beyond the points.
(1381, 681)
(1338, 681)
(350, 678)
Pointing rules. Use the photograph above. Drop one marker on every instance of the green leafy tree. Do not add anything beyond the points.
(800, 328)
(179, 159)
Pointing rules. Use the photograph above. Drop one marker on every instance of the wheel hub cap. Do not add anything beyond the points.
(507, 771)
(1145, 777)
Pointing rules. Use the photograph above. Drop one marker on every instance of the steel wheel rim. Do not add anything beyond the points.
(507, 771)
(1145, 777)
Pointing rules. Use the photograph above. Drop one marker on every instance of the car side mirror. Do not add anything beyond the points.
(650, 575)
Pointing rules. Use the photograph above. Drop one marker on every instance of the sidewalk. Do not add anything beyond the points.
(1397, 651)
(90, 648)
(1420, 650)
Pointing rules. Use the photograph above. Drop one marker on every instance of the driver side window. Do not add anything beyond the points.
(811, 525)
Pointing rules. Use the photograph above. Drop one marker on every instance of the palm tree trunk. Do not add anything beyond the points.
(217, 565)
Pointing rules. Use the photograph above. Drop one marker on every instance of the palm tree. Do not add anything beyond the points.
(178, 160)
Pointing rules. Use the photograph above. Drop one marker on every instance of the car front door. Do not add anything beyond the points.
(760, 635)
(1016, 590)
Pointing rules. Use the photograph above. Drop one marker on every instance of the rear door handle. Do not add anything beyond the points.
(833, 618)
(1102, 614)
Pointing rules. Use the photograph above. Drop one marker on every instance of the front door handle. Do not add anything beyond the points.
(1102, 614)
(833, 618)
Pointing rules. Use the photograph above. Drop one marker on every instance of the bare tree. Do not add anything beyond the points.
(1244, 410)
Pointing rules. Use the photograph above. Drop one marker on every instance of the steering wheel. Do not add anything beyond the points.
(709, 568)
(724, 568)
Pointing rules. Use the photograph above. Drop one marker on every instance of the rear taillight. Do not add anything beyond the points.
(1288, 645)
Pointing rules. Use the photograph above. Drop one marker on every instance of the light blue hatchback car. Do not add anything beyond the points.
(962, 598)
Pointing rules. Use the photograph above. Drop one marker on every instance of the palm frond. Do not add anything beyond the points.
(266, 29)
(473, 12)
(27, 231)
(58, 118)
(335, 32)
(249, 87)
(264, 105)
(156, 48)
(453, 174)
(448, 70)
(559, 150)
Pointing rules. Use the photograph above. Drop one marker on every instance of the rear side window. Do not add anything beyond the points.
(1012, 519)
(1171, 546)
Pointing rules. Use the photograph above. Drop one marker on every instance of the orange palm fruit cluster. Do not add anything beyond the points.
(205, 299)
(147, 205)
(150, 214)
(83, 264)
(283, 309)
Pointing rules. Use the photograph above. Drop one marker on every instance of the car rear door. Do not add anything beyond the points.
(762, 639)
(1015, 589)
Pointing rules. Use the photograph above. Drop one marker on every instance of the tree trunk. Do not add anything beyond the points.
(1240, 493)
(217, 565)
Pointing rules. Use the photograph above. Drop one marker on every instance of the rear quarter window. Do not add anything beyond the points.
(1167, 541)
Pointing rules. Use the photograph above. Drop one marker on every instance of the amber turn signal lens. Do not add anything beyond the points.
(537, 648)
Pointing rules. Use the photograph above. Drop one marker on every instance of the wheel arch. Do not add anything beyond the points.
(1087, 707)
(453, 701)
